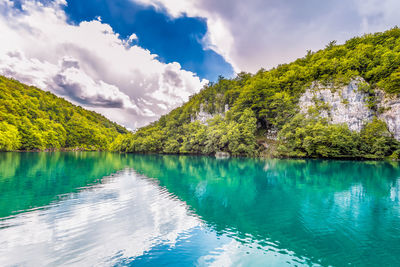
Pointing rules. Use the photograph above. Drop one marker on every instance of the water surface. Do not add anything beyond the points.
(89, 208)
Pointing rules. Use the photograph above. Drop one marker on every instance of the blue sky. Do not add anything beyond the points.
(172, 39)
(63, 47)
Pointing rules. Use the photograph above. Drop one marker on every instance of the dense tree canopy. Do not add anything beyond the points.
(32, 119)
(266, 102)
(315, 137)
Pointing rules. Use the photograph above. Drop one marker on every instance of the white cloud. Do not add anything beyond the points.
(89, 64)
(78, 85)
(264, 33)
(218, 38)
(378, 15)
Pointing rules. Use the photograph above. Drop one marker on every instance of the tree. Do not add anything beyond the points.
(9, 137)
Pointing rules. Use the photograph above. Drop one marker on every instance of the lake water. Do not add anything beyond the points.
(108, 209)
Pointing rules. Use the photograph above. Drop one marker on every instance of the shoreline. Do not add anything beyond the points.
(57, 150)
(344, 158)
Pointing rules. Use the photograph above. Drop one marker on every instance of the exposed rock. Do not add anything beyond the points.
(203, 116)
(389, 107)
(346, 104)
(222, 155)
(272, 134)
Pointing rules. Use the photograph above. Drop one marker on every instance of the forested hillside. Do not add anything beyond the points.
(253, 112)
(32, 119)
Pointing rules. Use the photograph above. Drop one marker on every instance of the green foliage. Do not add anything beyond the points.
(9, 137)
(32, 119)
(272, 97)
(391, 84)
(305, 137)
(314, 137)
(220, 134)
(376, 140)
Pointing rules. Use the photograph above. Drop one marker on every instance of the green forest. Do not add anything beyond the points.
(266, 103)
(32, 119)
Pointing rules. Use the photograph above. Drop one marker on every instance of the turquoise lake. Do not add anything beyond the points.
(110, 209)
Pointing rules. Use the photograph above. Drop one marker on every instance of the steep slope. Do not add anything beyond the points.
(32, 119)
(268, 111)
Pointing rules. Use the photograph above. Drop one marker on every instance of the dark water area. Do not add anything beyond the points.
(109, 209)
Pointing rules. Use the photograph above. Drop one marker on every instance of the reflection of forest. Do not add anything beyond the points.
(330, 210)
(29, 180)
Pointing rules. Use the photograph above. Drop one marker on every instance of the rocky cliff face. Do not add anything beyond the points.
(345, 104)
(203, 116)
(390, 112)
(349, 104)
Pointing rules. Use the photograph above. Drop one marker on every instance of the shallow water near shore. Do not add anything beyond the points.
(110, 209)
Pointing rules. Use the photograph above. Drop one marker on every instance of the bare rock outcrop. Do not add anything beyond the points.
(349, 104)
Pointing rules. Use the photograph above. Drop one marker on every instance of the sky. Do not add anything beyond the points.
(135, 60)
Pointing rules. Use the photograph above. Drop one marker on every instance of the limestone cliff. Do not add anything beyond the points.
(352, 104)
(203, 115)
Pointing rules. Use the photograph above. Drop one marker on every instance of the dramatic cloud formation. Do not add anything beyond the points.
(172, 39)
(89, 64)
(264, 33)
